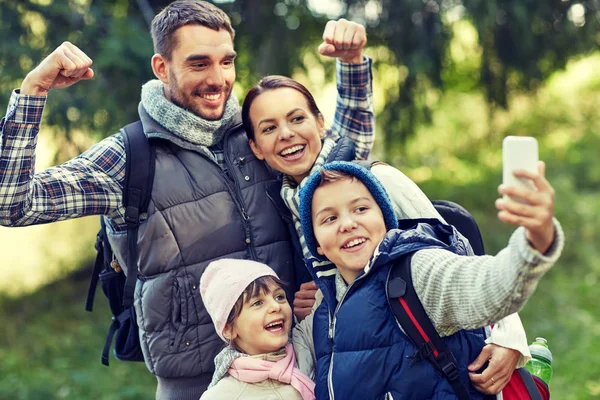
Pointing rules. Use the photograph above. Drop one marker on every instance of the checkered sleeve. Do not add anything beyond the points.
(89, 184)
(354, 114)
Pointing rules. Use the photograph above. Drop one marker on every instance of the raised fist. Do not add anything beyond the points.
(343, 39)
(66, 65)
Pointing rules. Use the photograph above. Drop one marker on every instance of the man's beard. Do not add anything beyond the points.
(180, 99)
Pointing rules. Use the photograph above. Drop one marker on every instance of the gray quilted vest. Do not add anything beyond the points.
(198, 213)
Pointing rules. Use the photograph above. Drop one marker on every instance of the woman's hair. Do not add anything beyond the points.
(258, 286)
(269, 83)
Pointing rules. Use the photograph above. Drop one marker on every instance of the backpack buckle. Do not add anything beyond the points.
(131, 215)
(424, 351)
(450, 370)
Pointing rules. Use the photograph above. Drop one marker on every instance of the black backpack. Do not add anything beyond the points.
(415, 322)
(117, 286)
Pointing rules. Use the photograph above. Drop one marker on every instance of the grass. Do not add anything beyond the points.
(50, 348)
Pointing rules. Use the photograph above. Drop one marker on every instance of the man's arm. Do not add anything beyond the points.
(354, 114)
(89, 184)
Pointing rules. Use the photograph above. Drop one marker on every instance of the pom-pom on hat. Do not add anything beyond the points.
(223, 282)
(357, 171)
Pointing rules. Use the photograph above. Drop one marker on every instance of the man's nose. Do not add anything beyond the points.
(215, 77)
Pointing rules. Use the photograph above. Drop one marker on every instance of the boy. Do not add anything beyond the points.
(359, 350)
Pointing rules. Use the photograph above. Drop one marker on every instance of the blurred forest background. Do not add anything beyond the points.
(452, 79)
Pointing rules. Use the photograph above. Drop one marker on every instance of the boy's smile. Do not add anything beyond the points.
(348, 225)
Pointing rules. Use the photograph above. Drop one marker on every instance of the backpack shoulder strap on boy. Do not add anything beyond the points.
(119, 288)
(415, 322)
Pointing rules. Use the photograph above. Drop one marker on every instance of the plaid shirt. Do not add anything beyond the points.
(92, 183)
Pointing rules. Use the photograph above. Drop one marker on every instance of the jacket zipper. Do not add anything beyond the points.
(332, 334)
(233, 192)
(237, 193)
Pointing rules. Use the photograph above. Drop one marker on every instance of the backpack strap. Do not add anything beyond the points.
(98, 264)
(137, 189)
(530, 384)
(415, 322)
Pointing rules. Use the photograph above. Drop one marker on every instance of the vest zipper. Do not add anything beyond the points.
(237, 196)
(332, 335)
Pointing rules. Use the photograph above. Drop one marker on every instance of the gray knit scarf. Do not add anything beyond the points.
(182, 123)
(290, 191)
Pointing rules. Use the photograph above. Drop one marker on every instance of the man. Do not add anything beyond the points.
(208, 198)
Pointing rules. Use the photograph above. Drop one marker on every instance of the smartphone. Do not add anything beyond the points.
(519, 152)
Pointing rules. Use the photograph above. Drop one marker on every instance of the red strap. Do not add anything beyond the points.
(417, 325)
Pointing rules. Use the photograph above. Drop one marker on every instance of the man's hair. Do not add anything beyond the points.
(185, 12)
(267, 84)
(258, 286)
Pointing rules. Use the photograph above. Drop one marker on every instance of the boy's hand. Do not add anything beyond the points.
(536, 215)
(345, 40)
(66, 65)
(304, 299)
(502, 363)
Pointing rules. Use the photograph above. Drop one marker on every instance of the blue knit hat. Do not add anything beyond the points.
(362, 174)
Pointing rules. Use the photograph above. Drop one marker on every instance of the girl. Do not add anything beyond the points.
(286, 129)
(247, 303)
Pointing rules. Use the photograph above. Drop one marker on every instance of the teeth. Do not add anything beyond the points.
(291, 150)
(211, 96)
(355, 242)
(272, 324)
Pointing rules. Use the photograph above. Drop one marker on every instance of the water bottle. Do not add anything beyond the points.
(541, 364)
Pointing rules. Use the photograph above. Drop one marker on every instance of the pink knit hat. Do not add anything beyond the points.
(222, 284)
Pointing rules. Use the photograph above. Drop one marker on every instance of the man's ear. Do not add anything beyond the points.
(256, 150)
(160, 68)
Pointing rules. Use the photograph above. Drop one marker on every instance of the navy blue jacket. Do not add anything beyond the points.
(362, 353)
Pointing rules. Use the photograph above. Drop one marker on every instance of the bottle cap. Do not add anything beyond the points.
(539, 348)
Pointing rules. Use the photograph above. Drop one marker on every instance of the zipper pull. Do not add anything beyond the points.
(330, 327)
(115, 264)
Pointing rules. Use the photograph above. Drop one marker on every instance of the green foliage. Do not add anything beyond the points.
(444, 67)
(467, 169)
(51, 348)
(111, 32)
